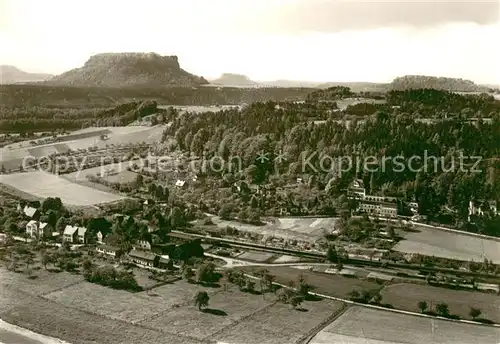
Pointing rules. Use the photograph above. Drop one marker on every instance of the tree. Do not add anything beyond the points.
(250, 285)
(201, 299)
(87, 265)
(377, 298)
(422, 305)
(46, 259)
(225, 211)
(51, 203)
(61, 223)
(187, 273)
(442, 309)
(296, 301)
(206, 273)
(331, 254)
(474, 313)
(302, 287)
(354, 295)
(139, 180)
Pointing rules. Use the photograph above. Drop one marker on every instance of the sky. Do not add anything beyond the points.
(313, 40)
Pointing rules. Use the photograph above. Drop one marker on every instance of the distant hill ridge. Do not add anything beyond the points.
(129, 69)
(231, 79)
(439, 83)
(13, 75)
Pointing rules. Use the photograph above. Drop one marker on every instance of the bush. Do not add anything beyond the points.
(108, 276)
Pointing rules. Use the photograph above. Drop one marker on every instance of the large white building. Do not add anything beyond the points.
(373, 205)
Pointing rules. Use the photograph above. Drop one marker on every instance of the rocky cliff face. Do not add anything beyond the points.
(129, 69)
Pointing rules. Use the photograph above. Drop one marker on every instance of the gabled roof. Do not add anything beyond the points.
(30, 223)
(142, 254)
(43, 225)
(29, 211)
(108, 248)
(70, 230)
(82, 230)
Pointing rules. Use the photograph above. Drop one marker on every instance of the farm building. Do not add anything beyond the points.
(108, 250)
(36, 229)
(144, 258)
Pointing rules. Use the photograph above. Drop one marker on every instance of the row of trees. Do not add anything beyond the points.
(443, 310)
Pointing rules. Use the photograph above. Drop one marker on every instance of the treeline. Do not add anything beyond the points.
(433, 103)
(439, 83)
(88, 97)
(30, 119)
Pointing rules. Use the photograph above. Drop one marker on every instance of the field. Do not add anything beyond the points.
(326, 284)
(122, 176)
(226, 308)
(79, 327)
(44, 283)
(255, 256)
(440, 243)
(307, 229)
(286, 259)
(360, 325)
(406, 296)
(12, 156)
(43, 185)
(279, 324)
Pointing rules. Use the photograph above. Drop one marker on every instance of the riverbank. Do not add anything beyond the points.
(12, 334)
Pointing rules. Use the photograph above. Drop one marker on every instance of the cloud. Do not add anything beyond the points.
(336, 15)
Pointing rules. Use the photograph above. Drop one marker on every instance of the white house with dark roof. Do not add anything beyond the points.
(36, 229)
(82, 235)
(31, 212)
(75, 234)
(70, 234)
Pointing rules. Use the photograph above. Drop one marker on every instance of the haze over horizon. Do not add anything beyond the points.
(309, 40)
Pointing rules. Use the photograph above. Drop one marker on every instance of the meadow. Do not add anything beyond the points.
(360, 325)
(42, 185)
(406, 297)
(440, 243)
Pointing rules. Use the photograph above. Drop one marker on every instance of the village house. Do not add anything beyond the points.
(144, 258)
(180, 183)
(74, 234)
(356, 189)
(40, 230)
(70, 234)
(31, 212)
(480, 210)
(108, 250)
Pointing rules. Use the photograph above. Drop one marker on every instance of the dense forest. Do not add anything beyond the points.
(12, 96)
(310, 151)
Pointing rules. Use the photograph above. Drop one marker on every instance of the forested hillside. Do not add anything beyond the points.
(310, 151)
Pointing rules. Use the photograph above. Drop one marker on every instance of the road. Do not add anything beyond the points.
(11, 334)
